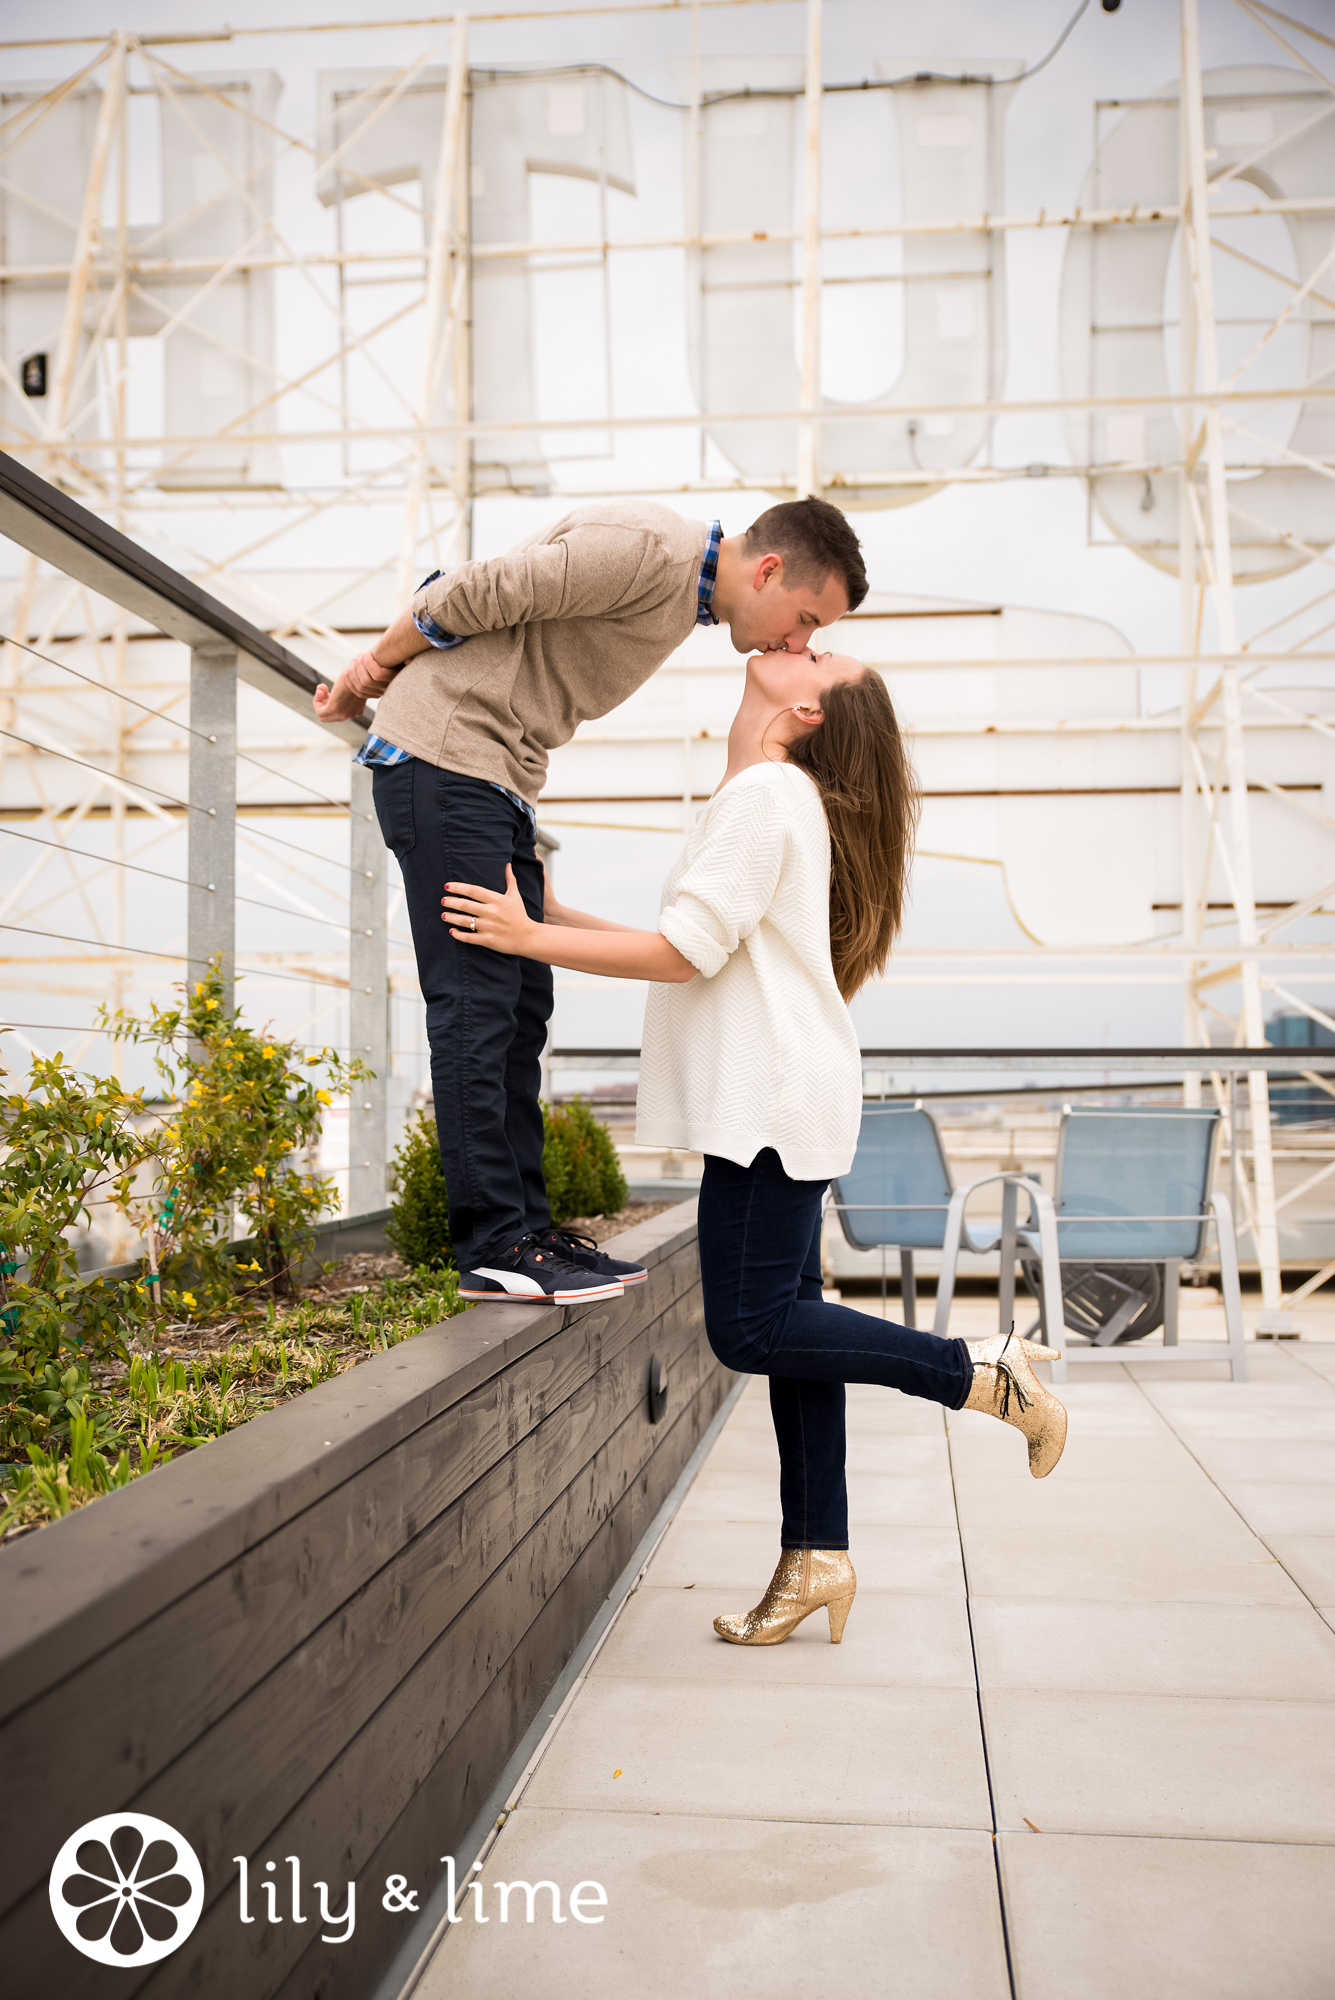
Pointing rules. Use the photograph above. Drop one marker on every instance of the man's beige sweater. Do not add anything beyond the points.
(560, 629)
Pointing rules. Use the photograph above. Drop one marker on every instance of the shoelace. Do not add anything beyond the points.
(575, 1236)
(1009, 1381)
(538, 1246)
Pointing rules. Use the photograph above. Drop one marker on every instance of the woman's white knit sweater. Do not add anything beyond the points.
(759, 1050)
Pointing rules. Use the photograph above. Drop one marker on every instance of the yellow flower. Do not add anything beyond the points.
(260, 1171)
(188, 1298)
(312, 1059)
(324, 1097)
(210, 1003)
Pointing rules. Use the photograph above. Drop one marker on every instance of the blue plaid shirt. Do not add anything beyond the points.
(704, 590)
(377, 750)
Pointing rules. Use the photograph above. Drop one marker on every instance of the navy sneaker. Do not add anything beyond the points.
(582, 1250)
(537, 1271)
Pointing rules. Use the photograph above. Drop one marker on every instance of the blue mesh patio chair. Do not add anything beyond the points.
(896, 1195)
(900, 1194)
(1132, 1187)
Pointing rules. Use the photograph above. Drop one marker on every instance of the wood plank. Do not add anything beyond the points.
(218, 1831)
(146, 1701)
(436, 1747)
(451, 1794)
(73, 1590)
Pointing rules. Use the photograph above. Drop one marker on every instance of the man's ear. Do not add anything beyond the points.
(768, 566)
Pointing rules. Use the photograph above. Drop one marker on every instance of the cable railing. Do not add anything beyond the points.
(225, 649)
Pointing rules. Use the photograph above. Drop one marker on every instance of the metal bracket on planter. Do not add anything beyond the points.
(658, 1389)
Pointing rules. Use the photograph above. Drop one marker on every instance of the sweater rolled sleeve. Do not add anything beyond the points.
(587, 572)
(730, 883)
(519, 588)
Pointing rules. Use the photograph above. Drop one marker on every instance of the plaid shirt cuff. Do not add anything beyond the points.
(435, 635)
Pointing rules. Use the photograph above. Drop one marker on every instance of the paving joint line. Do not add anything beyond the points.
(982, 1723)
(1227, 1498)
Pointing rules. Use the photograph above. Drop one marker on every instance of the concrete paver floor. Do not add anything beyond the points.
(1078, 1742)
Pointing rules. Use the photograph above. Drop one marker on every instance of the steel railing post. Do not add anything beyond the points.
(368, 1010)
(211, 835)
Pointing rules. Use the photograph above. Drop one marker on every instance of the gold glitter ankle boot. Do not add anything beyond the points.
(1005, 1385)
(805, 1580)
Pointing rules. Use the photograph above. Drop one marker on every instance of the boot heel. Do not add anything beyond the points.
(839, 1608)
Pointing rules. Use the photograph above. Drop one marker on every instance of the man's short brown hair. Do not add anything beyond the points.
(816, 543)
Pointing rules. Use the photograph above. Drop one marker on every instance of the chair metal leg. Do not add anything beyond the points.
(1050, 1279)
(908, 1288)
(950, 1255)
(1006, 1280)
(1172, 1289)
(1229, 1285)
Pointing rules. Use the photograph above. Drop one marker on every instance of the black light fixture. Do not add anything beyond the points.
(1110, 6)
(34, 375)
(658, 1389)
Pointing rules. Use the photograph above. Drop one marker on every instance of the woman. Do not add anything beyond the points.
(785, 900)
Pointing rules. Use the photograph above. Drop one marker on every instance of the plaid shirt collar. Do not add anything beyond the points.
(704, 598)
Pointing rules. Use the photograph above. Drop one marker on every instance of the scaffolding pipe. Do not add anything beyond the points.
(441, 297)
(1192, 113)
(808, 433)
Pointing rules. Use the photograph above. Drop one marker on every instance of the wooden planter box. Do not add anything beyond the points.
(324, 1634)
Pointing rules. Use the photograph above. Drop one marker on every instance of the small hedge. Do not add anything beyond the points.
(419, 1226)
(579, 1164)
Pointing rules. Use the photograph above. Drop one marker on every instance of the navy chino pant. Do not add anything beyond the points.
(764, 1315)
(486, 1012)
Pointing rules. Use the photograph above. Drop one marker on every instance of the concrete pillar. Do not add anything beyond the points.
(368, 1011)
(211, 839)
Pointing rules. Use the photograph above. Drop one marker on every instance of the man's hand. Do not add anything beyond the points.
(480, 916)
(364, 678)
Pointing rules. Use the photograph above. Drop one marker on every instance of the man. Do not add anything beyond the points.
(492, 667)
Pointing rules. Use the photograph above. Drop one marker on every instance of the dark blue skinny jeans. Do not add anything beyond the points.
(486, 1013)
(764, 1314)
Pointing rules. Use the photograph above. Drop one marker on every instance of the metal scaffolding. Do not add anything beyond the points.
(395, 394)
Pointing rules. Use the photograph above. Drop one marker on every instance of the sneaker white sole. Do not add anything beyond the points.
(511, 1298)
(541, 1298)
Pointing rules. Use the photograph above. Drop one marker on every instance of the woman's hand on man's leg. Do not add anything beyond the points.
(481, 916)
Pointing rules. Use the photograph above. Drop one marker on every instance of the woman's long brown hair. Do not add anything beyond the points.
(861, 766)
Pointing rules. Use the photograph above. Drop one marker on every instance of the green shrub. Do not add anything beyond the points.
(241, 1108)
(244, 1108)
(65, 1141)
(419, 1227)
(579, 1164)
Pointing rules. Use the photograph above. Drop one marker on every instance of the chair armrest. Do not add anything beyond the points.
(1037, 1195)
(957, 1237)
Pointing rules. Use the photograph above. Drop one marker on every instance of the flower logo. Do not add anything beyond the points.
(127, 1889)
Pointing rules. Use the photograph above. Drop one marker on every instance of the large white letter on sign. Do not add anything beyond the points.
(217, 200)
(743, 349)
(41, 197)
(1278, 127)
(572, 123)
